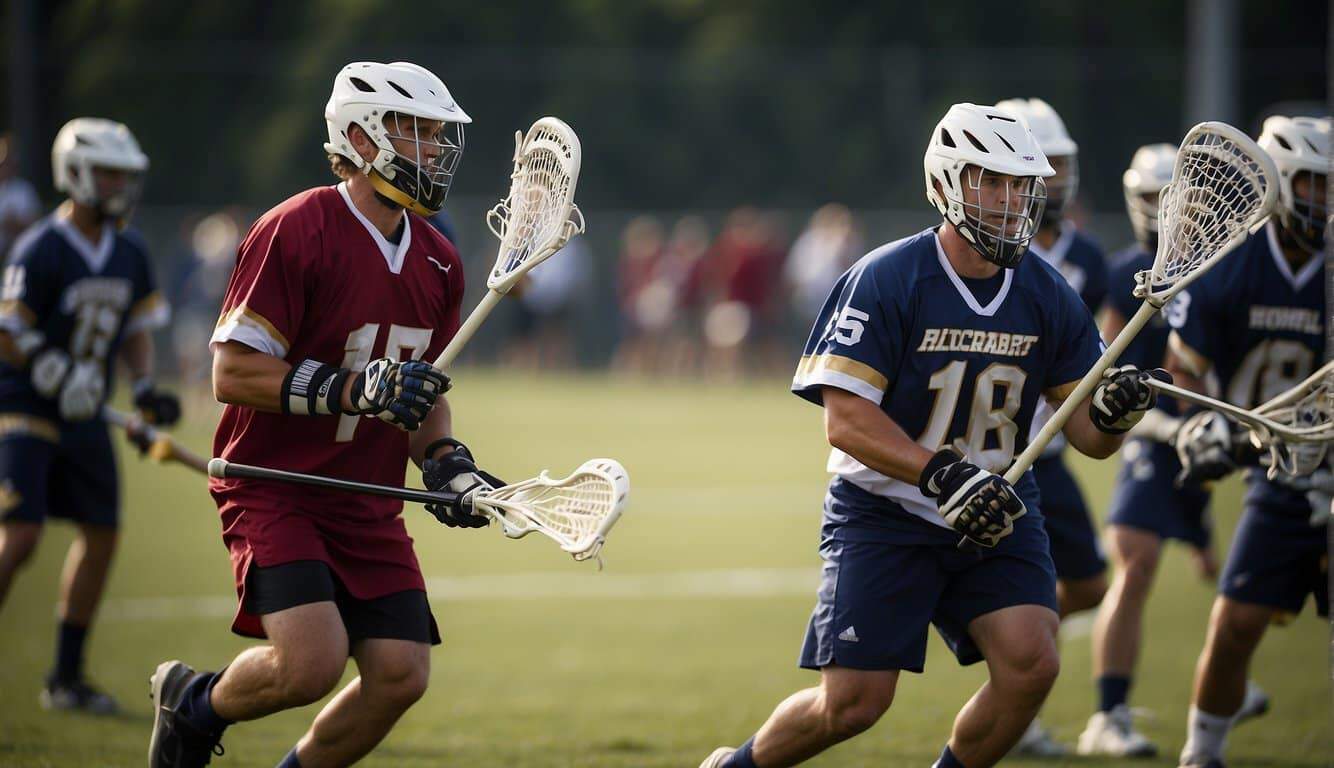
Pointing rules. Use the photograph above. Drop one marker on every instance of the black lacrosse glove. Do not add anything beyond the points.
(158, 408)
(976, 503)
(399, 393)
(457, 472)
(1210, 447)
(1122, 398)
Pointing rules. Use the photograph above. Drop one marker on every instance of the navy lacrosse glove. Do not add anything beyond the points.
(399, 393)
(1122, 398)
(158, 408)
(978, 504)
(456, 471)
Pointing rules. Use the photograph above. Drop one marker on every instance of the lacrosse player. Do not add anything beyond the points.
(1080, 566)
(1257, 321)
(929, 358)
(78, 294)
(338, 295)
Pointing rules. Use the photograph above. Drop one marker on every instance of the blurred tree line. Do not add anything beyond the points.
(679, 103)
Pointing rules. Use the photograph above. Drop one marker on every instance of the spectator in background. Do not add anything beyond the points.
(549, 297)
(19, 204)
(829, 245)
(203, 269)
(679, 285)
(642, 318)
(741, 327)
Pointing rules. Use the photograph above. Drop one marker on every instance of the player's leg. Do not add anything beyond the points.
(1081, 569)
(394, 675)
(391, 640)
(305, 658)
(1277, 560)
(1019, 644)
(18, 541)
(875, 604)
(1235, 631)
(25, 465)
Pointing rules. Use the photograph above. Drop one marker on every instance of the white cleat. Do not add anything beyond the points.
(1113, 734)
(1038, 742)
(1255, 704)
(716, 758)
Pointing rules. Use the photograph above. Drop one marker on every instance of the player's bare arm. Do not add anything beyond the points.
(156, 406)
(862, 430)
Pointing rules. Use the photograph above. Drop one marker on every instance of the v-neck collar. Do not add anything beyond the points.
(1059, 249)
(1304, 275)
(393, 254)
(95, 256)
(964, 293)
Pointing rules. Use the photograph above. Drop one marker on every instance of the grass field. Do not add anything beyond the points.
(685, 642)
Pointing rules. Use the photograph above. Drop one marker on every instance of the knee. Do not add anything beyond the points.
(1084, 594)
(99, 540)
(18, 543)
(851, 713)
(1137, 576)
(308, 679)
(1034, 671)
(1235, 632)
(401, 683)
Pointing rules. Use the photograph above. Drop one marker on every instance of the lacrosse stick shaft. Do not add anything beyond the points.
(164, 446)
(469, 327)
(1242, 415)
(1082, 391)
(223, 469)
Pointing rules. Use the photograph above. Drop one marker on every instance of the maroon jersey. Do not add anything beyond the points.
(314, 279)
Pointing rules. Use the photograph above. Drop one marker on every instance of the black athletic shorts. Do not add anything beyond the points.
(399, 616)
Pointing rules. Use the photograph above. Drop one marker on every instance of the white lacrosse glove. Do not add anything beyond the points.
(83, 391)
(48, 369)
(399, 393)
(1210, 447)
(978, 504)
(1122, 398)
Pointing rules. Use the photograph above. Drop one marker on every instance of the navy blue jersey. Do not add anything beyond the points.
(1080, 261)
(1260, 328)
(81, 297)
(902, 330)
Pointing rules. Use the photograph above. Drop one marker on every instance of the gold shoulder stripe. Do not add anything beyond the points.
(254, 318)
(17, 307)
(148, 303)
(812, 364)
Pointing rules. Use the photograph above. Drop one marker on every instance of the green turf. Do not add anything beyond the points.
(642, 665)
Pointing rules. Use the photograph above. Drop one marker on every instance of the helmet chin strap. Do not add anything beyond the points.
(394, 197)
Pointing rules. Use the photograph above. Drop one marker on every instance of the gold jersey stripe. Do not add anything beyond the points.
(812, 364)
(257, 319)
(21, 424)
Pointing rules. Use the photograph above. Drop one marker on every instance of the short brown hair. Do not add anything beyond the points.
(341, 166)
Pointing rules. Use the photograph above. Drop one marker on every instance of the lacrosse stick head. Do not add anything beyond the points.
(1308, 412)
(538, 216)
(575, 511)
(1223, 186)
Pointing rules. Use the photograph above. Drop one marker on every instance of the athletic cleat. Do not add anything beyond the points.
(1038, 742)
(1210, 763)
(1254, 705)
(1113, 734)
(716, 758)
(77, 696)
(177, 742)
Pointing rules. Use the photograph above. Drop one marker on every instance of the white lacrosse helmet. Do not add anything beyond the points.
(85, 143)
(1055, 141)
(1150, 170)
(1300, 145)
(381, 98)
(991, 141)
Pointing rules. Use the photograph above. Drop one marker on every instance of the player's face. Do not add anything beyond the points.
(416, 138)
(1311, 188)
(998, 198)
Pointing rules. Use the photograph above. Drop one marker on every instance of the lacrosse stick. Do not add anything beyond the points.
(536, 219)
(1223, 187)
(575, 511)
(162, 447)
(1296, 426)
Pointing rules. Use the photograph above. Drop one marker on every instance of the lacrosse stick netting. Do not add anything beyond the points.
(576, 511)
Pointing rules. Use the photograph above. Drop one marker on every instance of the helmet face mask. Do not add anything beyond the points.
(413, 122)
(1300, 148)
(425, 154)
(1142, 184)
(1001, 213)
(1061, 188)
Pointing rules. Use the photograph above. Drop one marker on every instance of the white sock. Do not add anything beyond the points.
(1206, 737)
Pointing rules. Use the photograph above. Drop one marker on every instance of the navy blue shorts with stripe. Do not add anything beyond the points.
(1075, 548)
(1278, 559)
(1146, 496)
(72, 477)
(882, 588)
